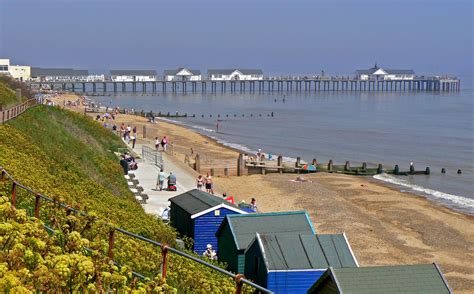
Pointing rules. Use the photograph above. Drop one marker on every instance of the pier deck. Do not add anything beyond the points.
(321, 84)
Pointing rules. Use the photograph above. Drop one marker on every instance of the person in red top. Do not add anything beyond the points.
(228, 198)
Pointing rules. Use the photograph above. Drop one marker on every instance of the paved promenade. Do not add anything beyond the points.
(147, 174)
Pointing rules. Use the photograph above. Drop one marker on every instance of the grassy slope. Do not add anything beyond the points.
(66, 155)
(7, 96)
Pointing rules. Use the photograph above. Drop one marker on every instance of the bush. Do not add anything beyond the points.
(70, 157)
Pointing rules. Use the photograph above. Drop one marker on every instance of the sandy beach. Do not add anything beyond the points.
(384, 226)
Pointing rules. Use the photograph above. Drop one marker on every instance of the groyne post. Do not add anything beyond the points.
(364, 165)
(240, 164)
(330, 165)
(380, 169)
(396, 171)
(347, 166)
(280, 164)
(197, 163)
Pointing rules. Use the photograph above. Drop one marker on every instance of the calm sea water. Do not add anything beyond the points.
(430, 129)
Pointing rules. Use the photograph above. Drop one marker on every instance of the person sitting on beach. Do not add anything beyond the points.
(199, 182)
(253, 205)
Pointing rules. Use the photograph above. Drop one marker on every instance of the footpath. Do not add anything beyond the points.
(147, 174)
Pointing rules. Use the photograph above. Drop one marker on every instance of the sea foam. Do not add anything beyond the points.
(463, 202)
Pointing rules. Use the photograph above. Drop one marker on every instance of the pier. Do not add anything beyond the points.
(290, 84)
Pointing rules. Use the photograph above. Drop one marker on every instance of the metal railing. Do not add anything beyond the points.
(153, 155)
(239, 279)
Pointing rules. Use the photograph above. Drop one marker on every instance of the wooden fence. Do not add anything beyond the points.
(12, 112)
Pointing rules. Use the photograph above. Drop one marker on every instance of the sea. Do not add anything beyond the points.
(430, 129)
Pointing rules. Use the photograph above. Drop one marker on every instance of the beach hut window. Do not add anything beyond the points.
(217, 212)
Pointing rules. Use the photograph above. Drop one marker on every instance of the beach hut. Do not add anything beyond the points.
(237, 231)
(421, 278)
(198, 215)
(291, 263)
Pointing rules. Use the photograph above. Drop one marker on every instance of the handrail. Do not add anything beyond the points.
(15, 111)
(239, 278)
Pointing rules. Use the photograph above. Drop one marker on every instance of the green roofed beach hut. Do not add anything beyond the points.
(198, 215)
(291, 263)
(238, 230)
(421, 278)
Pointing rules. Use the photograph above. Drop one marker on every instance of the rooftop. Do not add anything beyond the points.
(422, 278)
(230, 71)
(196, 201)
(172, 72)
(126, 72)
(245, 226)
(67, 72)
(289, 251)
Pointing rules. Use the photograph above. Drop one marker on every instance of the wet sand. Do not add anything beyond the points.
(384, 226)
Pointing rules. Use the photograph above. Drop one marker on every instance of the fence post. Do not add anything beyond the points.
(144, 131)
(164, 252)
(14, 194)
(239, 282)
(37, 205)
(111, 244)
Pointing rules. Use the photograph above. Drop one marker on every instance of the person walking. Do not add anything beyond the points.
(164, 143)
(161, 180)
(209, 188)
(157, 143)
(199, 182)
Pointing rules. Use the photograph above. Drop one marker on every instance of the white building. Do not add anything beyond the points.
(4, 66)
(20, 72)
(133, 75)
(58, 74)
(182, 74)
(377, 73)
(235, 74)
(95, 78)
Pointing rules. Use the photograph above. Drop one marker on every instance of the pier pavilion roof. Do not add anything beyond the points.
(126, 72)
(373, 70)
(57, 72)
(173, 72)
(230, 71)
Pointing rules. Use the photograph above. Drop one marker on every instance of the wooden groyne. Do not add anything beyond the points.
(245, 165)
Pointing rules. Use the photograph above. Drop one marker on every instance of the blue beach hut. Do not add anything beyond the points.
(238, 230)
(198, 215)
(291, 263)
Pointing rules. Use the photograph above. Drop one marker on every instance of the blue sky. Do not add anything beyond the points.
(278, 36)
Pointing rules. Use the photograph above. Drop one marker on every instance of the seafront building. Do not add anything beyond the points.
(19, 72)
(133, 75)
(378, 73)
(235, 74)
(182, 74)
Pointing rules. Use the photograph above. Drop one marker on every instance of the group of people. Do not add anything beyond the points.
(163, 143)
(128, 134)
(205, 182)
(128, 162)
(172, 181)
